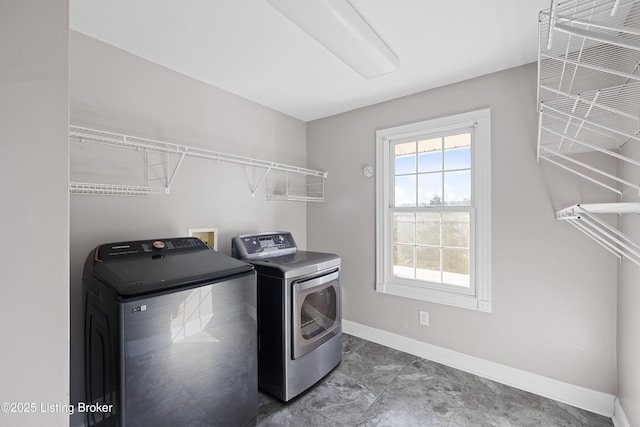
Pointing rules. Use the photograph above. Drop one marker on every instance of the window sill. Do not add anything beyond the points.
(470, 302)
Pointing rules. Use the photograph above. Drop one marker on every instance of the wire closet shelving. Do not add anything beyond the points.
(584, 218)
(589, 102)
(291, 183)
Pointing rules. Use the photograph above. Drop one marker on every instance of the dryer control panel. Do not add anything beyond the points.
(269, 244)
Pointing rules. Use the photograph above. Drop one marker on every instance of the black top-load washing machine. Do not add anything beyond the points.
(299, 312)
(170, 335)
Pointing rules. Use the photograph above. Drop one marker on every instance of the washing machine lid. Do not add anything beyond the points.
(146, 266)
(301, 263)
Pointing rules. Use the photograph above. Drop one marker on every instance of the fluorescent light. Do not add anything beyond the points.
(339, 27)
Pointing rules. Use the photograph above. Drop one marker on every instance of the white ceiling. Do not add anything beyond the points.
(248, 48)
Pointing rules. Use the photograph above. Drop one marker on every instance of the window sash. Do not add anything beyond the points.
(443, 286)
(443, 173)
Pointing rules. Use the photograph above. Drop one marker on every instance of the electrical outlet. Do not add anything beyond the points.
(424, 318)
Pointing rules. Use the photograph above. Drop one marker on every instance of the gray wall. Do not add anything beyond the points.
(628, 297)
(34, 291)
(554, 292)
(116, 91)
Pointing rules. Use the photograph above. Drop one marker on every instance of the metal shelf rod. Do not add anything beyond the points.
(593, 147)
(599, 25)
(603, 38)
(591, 67)
(591, 168)
(596, 238)
(588, 178)
(591, 122)
(593, 102)
(611, 233)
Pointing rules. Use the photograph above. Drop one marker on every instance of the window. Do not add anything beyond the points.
(433, 210)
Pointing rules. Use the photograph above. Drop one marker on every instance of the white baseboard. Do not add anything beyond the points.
(619, 417)
(590, 400)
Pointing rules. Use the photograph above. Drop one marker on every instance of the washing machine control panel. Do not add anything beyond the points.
(252, 246)
(141, 247)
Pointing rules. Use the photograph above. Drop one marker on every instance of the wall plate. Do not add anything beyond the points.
(208, 235)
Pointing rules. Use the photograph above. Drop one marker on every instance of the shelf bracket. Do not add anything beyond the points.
(175, 170)
(254, 188)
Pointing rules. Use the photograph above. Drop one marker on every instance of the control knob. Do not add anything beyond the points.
(158, 244)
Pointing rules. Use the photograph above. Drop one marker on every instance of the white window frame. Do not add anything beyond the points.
(478, 296)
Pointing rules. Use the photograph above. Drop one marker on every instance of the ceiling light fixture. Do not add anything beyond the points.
(339, 27)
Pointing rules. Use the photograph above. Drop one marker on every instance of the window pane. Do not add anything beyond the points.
(428, 228)
(405, 190)
(403, 227)
(457, 159)
(405, 165)
(405, 158)
(456, 229)
(430, 155)
(428, 263)
(403, 262)
(457, 188)
(457, 151)
(430, 162)
(456, 267)
(430, 189)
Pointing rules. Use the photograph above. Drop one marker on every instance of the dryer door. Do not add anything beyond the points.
(316, 312)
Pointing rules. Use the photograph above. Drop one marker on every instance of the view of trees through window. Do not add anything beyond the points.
(431, 226)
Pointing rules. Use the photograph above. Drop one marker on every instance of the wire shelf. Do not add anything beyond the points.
(606, 118)
(589, 44)
(584, 218)
(589, 85)
(285, 186)
(113, 189)
(589, 101)
(179, 152)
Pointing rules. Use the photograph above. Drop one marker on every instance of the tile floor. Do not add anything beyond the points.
(378, 386)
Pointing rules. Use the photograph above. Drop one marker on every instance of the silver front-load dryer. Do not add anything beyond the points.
(299, 312)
